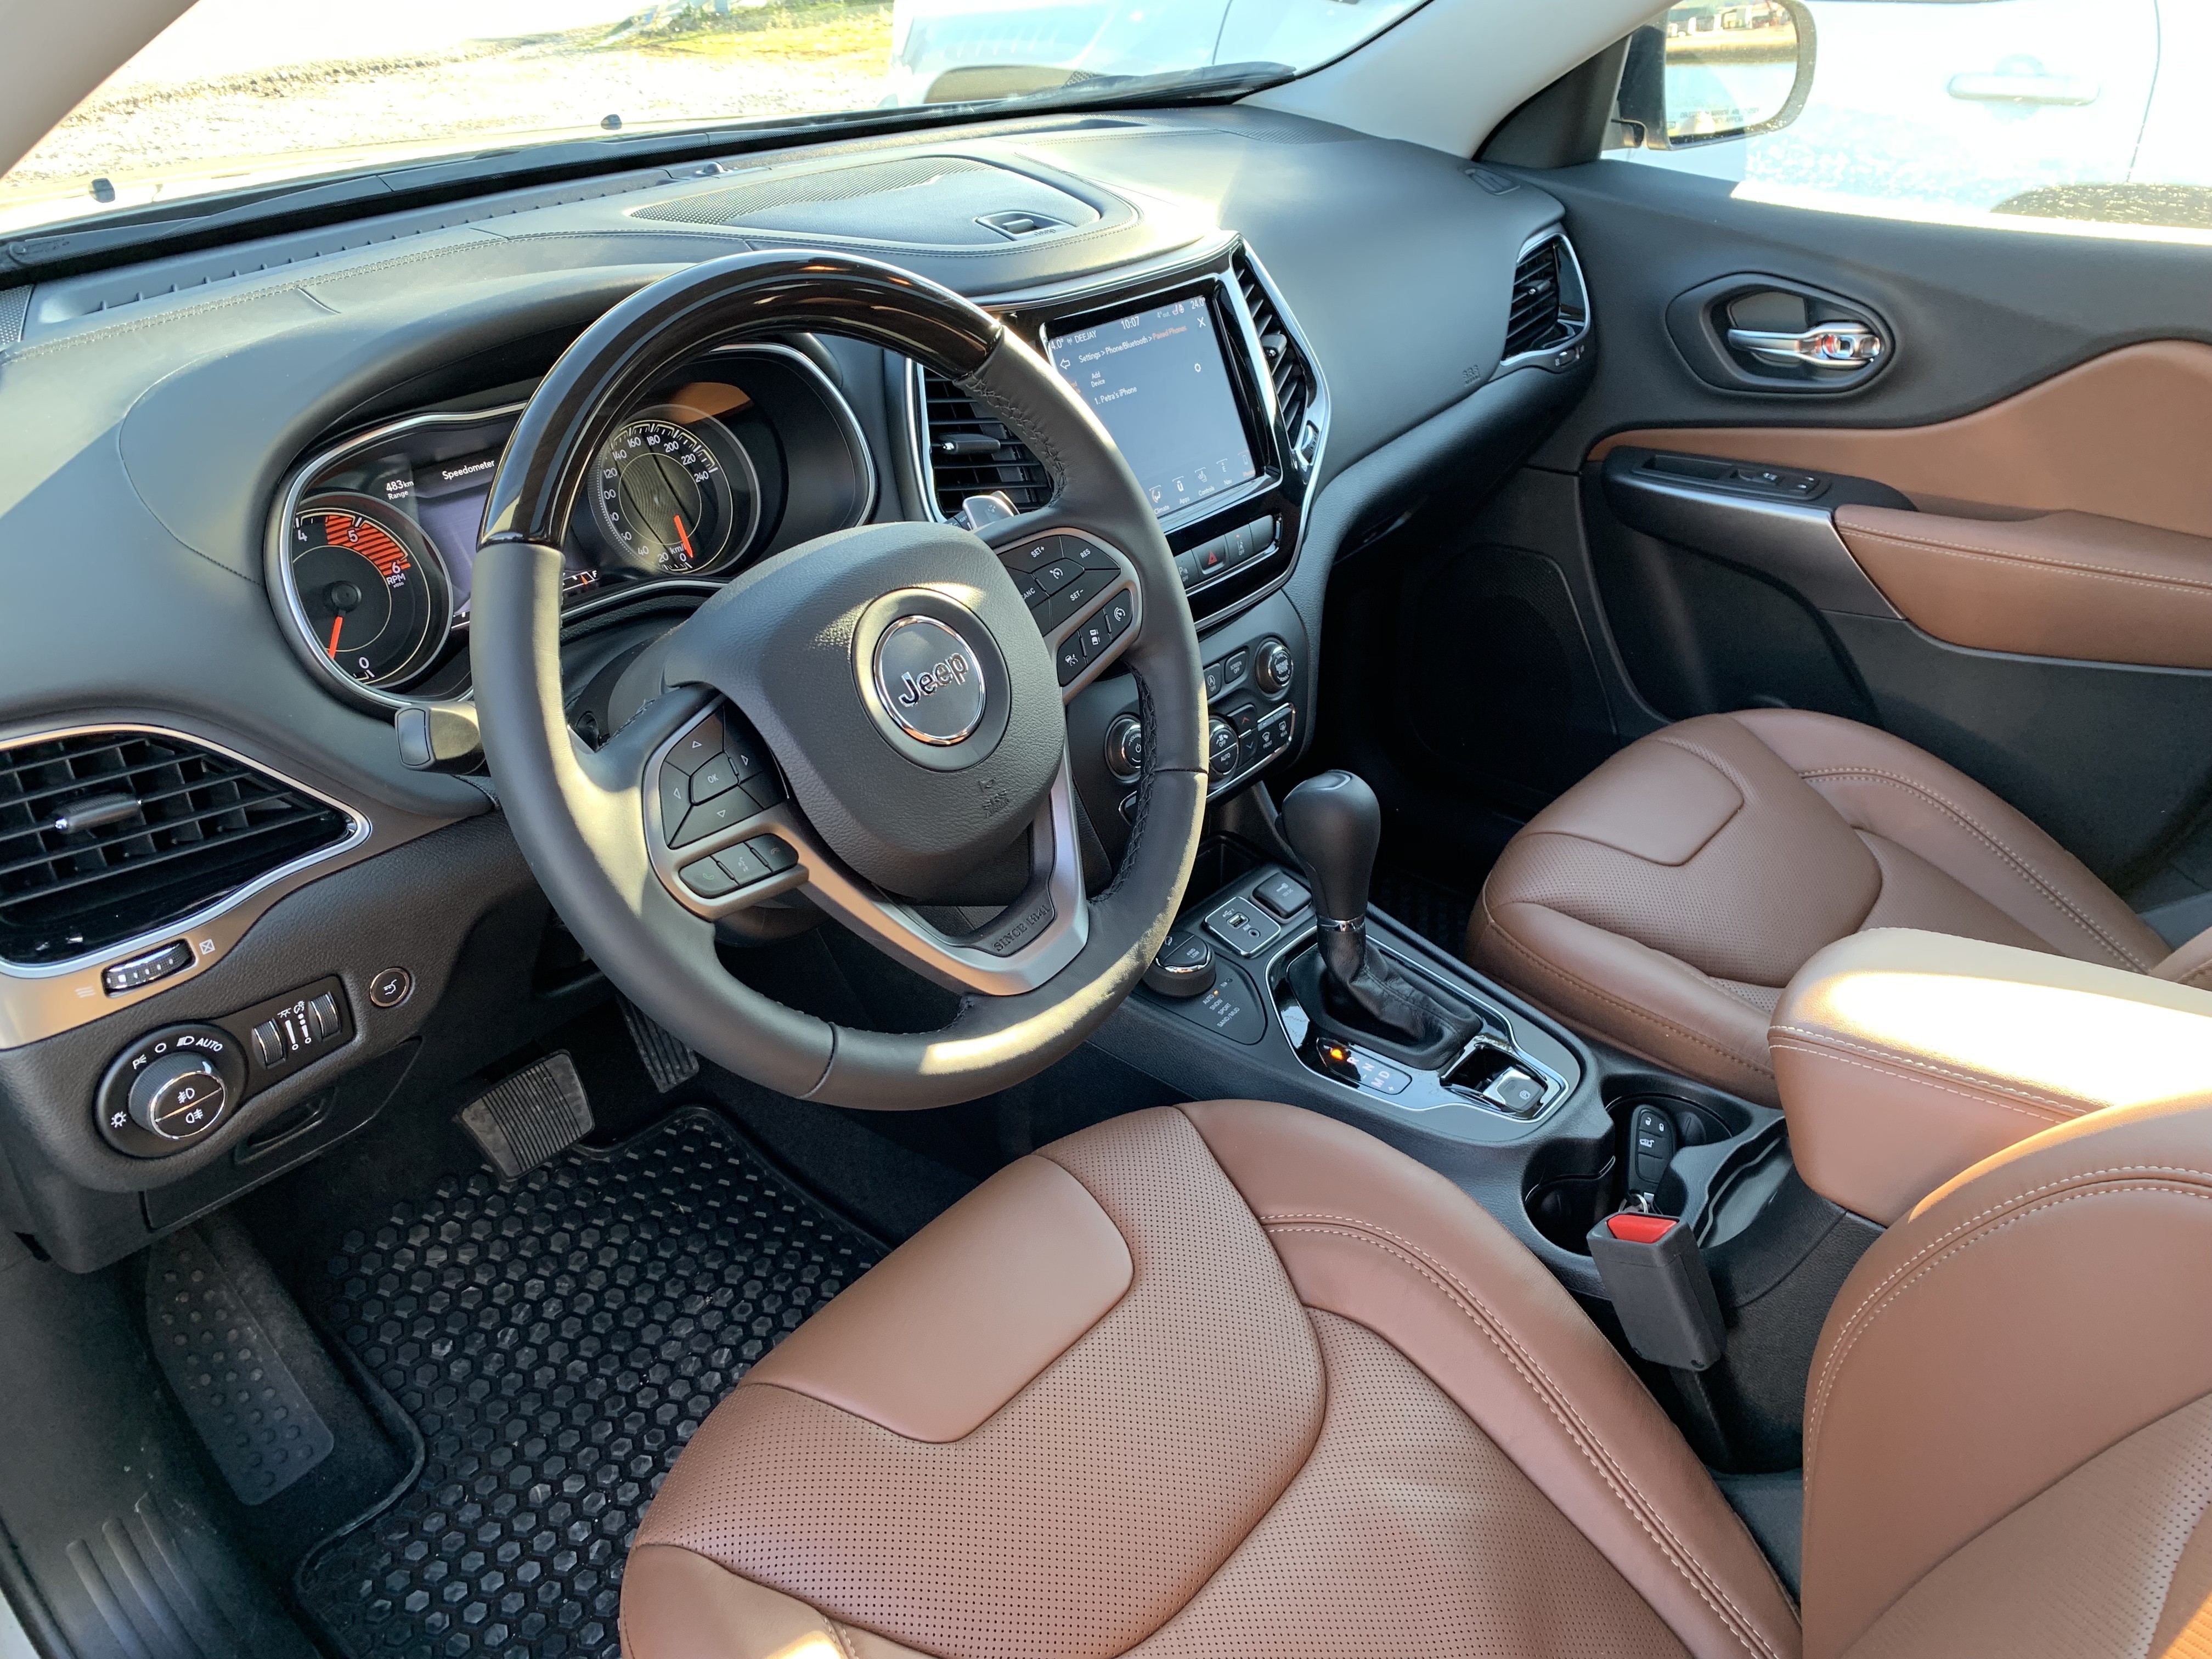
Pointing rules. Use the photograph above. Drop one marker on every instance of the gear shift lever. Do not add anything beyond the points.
(1334, 823)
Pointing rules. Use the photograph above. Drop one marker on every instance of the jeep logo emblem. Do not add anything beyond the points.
(929, 680)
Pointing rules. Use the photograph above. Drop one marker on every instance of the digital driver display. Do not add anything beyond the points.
(1158, 382)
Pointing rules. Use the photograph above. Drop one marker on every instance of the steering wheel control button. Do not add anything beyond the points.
(1184, 967)
(1119, 612)
(929, 679)
(775, 853)
(675, 798)
(704, 820)
(716, 777)
(1243, 927)
(141, 971)
(709, 880)
(391, 987)
(170, 1088)
(1031, 557)
(1068, 661)
(698, 745)
(1282, 896)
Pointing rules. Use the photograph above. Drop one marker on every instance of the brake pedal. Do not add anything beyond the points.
(668, 1062)
(535, 1115)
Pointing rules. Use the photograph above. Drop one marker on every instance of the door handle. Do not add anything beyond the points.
(2011, 87)
(1824, 345)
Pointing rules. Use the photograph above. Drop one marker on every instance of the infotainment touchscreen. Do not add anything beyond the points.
(1159, 383)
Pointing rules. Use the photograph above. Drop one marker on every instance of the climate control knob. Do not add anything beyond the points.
(1220, 748)
(1274, 668)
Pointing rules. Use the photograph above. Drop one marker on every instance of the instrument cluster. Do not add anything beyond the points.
(744, 453)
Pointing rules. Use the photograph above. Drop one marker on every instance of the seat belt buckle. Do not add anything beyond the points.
(1661, 1293)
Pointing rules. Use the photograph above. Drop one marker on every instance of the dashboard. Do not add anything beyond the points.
(246, 485)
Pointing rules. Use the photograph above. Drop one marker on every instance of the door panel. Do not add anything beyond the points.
(2029, 587)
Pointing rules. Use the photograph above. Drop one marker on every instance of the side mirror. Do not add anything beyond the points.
(1709, 70)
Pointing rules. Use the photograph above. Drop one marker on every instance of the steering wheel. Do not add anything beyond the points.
(869, 718)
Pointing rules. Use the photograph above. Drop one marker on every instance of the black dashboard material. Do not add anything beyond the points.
(160, 419)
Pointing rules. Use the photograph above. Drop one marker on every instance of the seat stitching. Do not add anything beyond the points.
(1818, 1044)
(1825, 1382)
(1549, 1395)
(1545, 965)
(2026, 871)
(2005, 556)
(2193, 975)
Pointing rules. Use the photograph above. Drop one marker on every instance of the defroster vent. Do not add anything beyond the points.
(971, 453)
(107, 834)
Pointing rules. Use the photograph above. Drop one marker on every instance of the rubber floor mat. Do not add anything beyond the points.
(557, 1342)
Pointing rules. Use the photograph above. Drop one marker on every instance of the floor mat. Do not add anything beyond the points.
(1436, 912)
(557, 1342)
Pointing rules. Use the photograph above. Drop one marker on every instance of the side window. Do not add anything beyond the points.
(2046, 115)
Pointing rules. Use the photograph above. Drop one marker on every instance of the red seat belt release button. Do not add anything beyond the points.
(1638, 1227)
(1656, 1277)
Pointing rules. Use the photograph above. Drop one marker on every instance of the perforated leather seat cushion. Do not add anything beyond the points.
(1325, 1407)
(1663, 902)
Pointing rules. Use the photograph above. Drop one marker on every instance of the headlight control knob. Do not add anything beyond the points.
(1274, 668)
(170, 1089)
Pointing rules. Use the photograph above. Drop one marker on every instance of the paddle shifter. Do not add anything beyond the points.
(1334, 823)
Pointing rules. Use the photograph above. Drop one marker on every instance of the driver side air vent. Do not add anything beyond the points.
(969, 452)
(1286, 364)
(1549, 309)
(107, 834)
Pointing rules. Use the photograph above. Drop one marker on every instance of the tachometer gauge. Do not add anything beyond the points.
(674, 498)
(373, 592)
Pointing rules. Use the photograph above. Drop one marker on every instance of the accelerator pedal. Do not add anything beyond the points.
(211, 1316)
(667, 1060)
(536, 1114)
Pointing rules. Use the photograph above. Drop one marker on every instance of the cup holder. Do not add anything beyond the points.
(1571, 1185)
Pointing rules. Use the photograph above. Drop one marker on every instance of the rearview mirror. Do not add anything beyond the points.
(1714, 70)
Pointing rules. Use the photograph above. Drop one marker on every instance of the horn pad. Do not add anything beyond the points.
(894, 673)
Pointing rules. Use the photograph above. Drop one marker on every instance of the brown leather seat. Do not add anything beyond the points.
(1233, 1378)
(1663, 902)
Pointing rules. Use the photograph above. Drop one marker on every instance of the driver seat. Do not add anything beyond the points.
(1236, 1378)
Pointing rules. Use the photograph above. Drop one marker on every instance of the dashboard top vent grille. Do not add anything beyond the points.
(1286, 364)
(107, 834)
(971, 453)
(1541, 313)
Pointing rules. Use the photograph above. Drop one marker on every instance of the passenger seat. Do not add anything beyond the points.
(1663, 902)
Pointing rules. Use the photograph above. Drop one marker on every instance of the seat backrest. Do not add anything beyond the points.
(2008, 1424)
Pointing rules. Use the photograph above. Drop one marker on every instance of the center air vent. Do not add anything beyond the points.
(1286, 364)
(1549, 306)
(970, 452)
(107, 834)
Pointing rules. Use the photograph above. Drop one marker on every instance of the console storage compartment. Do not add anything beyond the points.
(1905, 1057)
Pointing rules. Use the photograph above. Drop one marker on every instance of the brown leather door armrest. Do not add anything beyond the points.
(1904, 1058)
(2064, 585)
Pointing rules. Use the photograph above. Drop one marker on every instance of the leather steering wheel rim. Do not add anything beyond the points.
(580, 815)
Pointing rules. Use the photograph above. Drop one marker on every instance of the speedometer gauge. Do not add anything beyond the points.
(371, 587)
(674, 498)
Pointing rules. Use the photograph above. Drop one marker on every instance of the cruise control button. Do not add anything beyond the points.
(698, 745)
(1071, 600)
(1032, 591)
(718, 776)
(1056, 575)
(707, 878)
(1117, 615)
(1089, 557)
(773, 852)
(1031, 556)
(1070, 658)
(741, 865)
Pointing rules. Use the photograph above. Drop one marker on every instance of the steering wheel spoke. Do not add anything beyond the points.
(1081, 591)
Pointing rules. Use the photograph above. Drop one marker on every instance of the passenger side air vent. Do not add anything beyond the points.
(1549, 309)
(970, 452)
(1286, 364)
(107, 834)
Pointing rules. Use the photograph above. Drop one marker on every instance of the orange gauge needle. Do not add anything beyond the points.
(336, 622)
(684, 535)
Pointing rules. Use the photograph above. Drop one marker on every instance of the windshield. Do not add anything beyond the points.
(243, 92)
